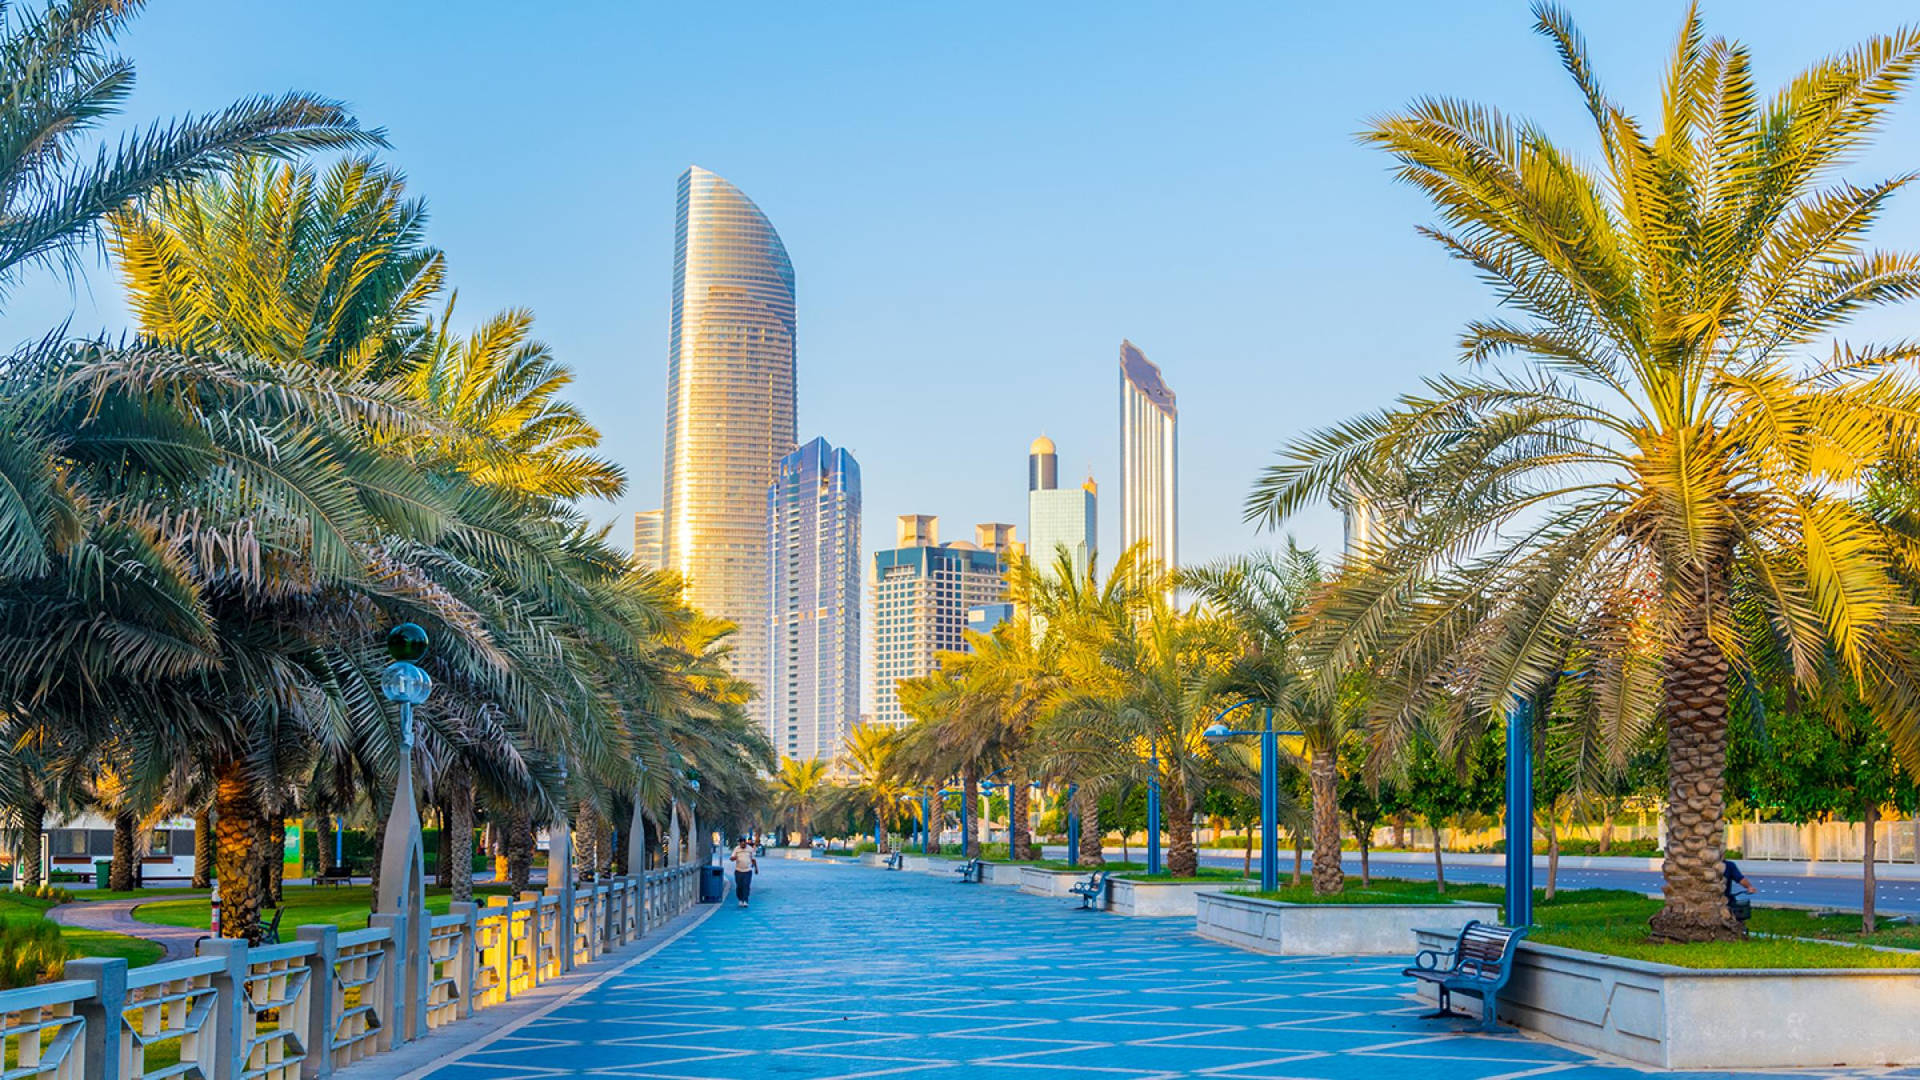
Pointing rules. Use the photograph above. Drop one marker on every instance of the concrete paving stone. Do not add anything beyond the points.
(840, 971)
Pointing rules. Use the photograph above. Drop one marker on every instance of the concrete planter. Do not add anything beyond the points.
(1039, 881)
(934, 864)
(1682, 1018)
(999, 874)
(873, 859)
(792, 853)
(1160, 898)
(1326, 929)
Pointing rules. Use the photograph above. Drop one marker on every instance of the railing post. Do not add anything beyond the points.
(468, 962)
(532, 940)
(322, 995)
(102, 1013)
(229, 1006)
(397, 1027)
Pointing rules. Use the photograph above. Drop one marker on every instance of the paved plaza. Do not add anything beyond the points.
(841, 971)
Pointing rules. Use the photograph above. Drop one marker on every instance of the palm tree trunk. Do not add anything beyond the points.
(322, 842)
(1182, 859)
(1366, 847)
(1867, 881)
(203, 849)
(460, 825)
(26, 861)
(237, 849)
(936, 819)
(1092, 838)
(1246, 864)
(443, 851)
(1693, 871)
(1019, 813)
(1324, 772)
(970, 818)
(1298, 846)
(120, 876)
(273, 831)
(519, 850)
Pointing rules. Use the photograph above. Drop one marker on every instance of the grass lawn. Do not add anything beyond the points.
(15, 907)
(1382, 891)
(345, 906)
(1207, 873)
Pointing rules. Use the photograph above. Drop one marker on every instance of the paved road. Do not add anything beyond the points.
(844, 971)
(1791, 889)
(117, 916)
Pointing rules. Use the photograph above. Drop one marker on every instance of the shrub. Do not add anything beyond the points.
(31, 952)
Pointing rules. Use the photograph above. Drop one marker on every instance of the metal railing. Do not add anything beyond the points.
(325, 1000)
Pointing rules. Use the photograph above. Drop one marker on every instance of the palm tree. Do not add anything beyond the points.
(798, 789)
(63, 81)
(1144, 697)
(876, 782)
(1262, 596)
(1649, 426)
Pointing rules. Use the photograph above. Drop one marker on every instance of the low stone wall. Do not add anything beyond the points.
(1159, 898)
(1040, 881)
(1683, 1018)
(934, 864)
(1326, 929)
(792, 852)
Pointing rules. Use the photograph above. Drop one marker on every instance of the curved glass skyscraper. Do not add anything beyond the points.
(730, 377)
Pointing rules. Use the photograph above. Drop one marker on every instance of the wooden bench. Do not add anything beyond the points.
(1478, 965)
(1094, 892)
(896, 861)
(970, 871)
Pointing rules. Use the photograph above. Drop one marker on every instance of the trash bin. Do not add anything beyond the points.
(713, 886)
(102, 872)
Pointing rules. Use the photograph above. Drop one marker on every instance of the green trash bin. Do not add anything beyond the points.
(102, 872)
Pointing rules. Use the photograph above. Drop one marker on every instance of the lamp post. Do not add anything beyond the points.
(926, 824)
(1153, 807)
(1269, 787)
(402, 901)
(1073, 827)
(1520, 814)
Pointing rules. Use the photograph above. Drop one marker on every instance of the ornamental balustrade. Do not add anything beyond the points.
(324, 1001)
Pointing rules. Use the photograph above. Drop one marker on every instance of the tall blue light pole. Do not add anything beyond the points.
(1269, 788)
(1153, 807)
(1073, 827)
(1520, 814)
(926, 824)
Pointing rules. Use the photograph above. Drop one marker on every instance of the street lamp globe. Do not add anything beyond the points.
(1216, 733)
(407, 642)
(403, 681)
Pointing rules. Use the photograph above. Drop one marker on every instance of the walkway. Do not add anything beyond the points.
(840, 971)
(116, 916)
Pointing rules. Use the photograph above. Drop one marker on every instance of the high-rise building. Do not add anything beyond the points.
(1149, 459)
(646, 539)
(923, 591)
(1057, 518)
(730, 374)
(812, 694)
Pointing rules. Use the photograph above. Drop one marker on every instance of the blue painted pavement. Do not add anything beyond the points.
(843, 971)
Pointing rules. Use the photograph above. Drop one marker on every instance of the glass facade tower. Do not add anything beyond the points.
(1149, 460)
(1057, 518)
(730, 375)
(646, 539)
(811, 699)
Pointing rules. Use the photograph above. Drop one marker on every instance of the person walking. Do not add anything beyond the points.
(744, 867)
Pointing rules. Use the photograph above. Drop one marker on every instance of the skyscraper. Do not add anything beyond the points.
(646, 539)
(812, 694)
(730, 373)
(922, 593)
(1149, 459)
(1057, 518)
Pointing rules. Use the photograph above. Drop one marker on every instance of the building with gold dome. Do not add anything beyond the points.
(1058, 520)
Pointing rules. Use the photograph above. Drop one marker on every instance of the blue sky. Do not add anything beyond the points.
(980, 201)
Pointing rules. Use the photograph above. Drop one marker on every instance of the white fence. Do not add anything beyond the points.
(325, 1000)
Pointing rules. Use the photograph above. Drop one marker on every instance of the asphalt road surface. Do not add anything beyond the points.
(1797, 890)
